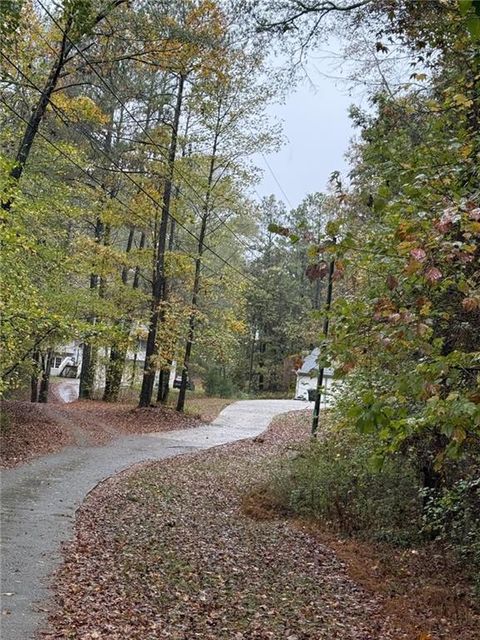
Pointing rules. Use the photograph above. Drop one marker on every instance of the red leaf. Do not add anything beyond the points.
(316, 271)
(433, 274)
(418, 254)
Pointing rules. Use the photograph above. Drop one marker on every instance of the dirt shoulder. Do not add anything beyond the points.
(29, 430)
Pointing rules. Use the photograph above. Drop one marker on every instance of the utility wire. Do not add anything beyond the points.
(128, 208)
(154, 143)
(114, 94)
(276, 179)
(162, 148)
(127, 175)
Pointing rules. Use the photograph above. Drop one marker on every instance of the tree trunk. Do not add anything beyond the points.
(89, 354)
(114, 373)
(87, 372)
(250, 368)
(196, 283)
(45, 379)
(163, 384)
(134, 369)
(191, 320)
(39, 112)
(116, 361)
(164, 377)
(34, 378)
(158, 271)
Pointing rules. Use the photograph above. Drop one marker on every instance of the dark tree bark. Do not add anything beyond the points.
(191, 320)
(101, 235)
(134, 369)
(196, 282)
(34, 378)
(114, 373)
(158, 286)
(163, 389)
(89, 353)
(67, 44)
(38, 112)
(163, 382)
(116, 361)
(45, 379)
(164, 375)
(87, 372)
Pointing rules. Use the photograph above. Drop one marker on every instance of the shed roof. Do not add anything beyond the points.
(310, 364)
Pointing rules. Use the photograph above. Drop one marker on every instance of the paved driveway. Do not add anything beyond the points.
(39, 500)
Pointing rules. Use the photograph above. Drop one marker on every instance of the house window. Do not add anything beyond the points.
(57, 361)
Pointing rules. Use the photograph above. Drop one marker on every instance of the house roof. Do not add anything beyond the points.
(310, 365)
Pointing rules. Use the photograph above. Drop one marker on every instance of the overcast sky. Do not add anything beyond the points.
(317, 130)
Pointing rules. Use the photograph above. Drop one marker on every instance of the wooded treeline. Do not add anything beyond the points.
(127, 136)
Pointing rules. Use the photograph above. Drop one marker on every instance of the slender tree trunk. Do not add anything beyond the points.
(38, 112)
(163, 382)
(45, 379)
(114, 373)
(89, 353)
(118, 355)
(191, 320)
(158, 271)
(250, 368)
(326, 325)
(164, 376)
(261, 362)
(116, 361)
(87, 372)
(196, 281)
(134, 369)
(34, 378)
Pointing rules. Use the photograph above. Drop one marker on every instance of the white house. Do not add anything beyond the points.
(66, 360)
(307, 375)
(67, 363)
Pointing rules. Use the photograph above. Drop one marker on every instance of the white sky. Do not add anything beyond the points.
(317, 130)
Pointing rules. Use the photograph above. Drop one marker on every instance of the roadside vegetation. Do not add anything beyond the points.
(400, 461)
(335, 484)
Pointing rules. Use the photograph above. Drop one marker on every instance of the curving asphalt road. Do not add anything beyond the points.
(39, 500)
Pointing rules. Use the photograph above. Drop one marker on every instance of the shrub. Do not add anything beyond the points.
(216, 384)
(453, 515)
(334, 480)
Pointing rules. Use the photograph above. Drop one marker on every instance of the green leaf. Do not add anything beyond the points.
(464, 6)
(376, 462)
(473, 26)
(332, 227)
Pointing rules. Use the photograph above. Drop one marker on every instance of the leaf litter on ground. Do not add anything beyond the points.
(165, 551)
(29, 430)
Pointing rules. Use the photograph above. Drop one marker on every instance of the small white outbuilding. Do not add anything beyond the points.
(307, 374)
